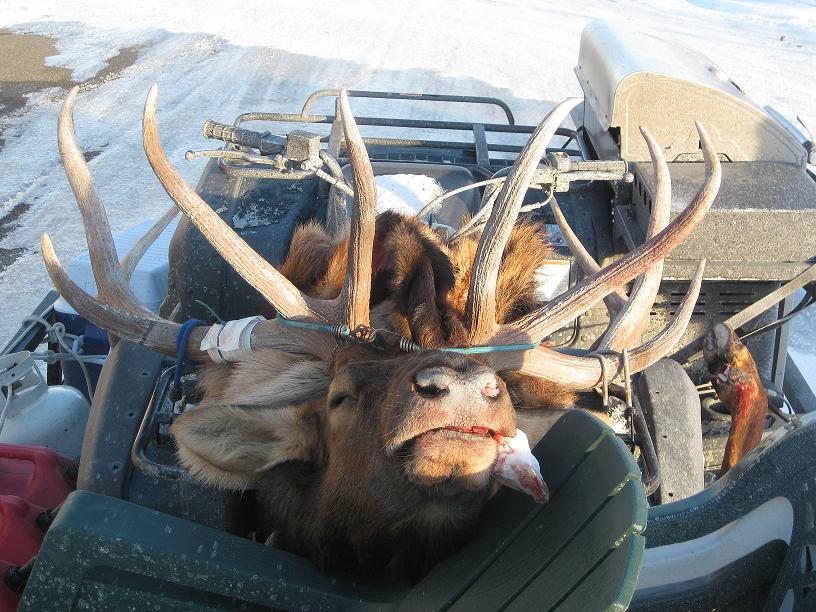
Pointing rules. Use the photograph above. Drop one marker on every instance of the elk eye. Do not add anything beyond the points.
(338, 399)
(429, 390)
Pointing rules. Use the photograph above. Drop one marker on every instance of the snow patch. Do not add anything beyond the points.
(405, 193)
(85, 52)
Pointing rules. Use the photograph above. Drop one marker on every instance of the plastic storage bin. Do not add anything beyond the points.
(149, 284)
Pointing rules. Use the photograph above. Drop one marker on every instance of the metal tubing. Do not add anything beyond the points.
(137, 452)
(400, 123)
(392, 95)
(644, 439)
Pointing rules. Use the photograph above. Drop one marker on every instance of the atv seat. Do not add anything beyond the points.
(580, 551)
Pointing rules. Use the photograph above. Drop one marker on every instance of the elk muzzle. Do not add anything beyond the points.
(480, 385)
(459, 413)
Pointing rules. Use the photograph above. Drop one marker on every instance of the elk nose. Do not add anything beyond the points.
(439, 381)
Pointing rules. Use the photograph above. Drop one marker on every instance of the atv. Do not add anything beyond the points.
(657, 528)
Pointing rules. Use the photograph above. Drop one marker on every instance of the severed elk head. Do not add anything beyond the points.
(376, 460)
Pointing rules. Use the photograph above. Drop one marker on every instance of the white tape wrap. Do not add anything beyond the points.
(227, 342)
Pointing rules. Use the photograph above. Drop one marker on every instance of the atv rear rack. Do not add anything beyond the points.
(479, 155)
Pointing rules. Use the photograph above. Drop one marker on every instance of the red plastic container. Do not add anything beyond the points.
(34, 473)
(32, 478)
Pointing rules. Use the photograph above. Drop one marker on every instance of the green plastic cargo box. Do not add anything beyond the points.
(581, 551)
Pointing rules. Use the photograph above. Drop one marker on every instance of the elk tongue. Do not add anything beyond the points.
(517, 468)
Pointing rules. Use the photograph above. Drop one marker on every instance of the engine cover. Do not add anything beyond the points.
(631, 79)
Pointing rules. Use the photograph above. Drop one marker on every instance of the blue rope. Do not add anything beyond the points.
(342, 330)
(181, 348)
(501, 348)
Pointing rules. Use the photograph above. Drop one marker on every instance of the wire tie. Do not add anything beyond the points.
(212, 312)
(604, 377)
(627, 378)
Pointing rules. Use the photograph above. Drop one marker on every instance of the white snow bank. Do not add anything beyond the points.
(220, 58)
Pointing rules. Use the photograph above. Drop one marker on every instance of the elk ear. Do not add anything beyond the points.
(229, 447)
(536, 393)
(417, 274)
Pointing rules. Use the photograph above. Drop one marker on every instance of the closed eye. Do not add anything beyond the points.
(338, 399)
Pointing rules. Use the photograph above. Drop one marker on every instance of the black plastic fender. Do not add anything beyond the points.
(672, 409)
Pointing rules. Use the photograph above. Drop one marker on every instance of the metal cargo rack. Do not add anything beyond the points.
(479, 155)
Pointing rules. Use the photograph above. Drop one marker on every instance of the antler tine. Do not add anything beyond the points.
(112, 284)
(480, 310)
(615, 301)
(554, 315)
(144, 328)
(627, 325)
(663, 343)
(356, 292)
(584, 373)
(253, 268)
(160, 334)
(137, 251)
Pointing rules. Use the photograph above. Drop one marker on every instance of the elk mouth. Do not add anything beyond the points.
(476, 430)
(450, 460)
(456, 432)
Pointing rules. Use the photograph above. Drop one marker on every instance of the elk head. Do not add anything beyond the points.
(374, 460)
(386, 472)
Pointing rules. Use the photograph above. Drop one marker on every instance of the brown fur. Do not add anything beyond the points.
(417, 274)
(531, 392)
(264, 378)
(526, 250)
(338, 453)
(427, 279)
(310, 254)
(336, 476)
(229, 446)
(426, 284)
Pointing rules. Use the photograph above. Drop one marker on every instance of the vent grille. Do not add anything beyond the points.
(717, 300)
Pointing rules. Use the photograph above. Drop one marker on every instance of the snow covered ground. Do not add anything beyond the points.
(220, 58)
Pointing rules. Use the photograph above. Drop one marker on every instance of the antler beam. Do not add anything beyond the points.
(117, 310)
(480, 309)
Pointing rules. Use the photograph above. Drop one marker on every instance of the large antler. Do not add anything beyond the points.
(480, 309)
(119, 311)
(628, 315)
(587, 372)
